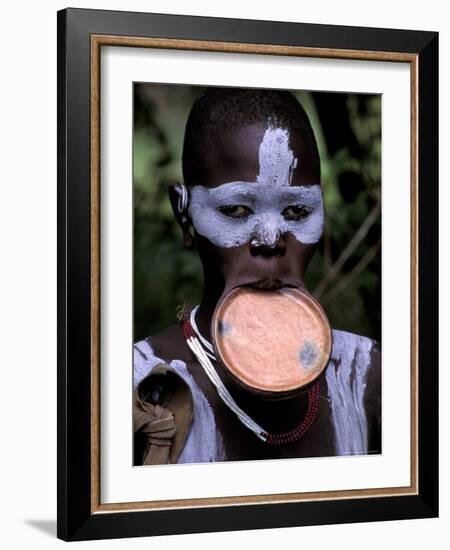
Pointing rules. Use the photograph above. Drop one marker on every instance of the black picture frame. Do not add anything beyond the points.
(79, 516)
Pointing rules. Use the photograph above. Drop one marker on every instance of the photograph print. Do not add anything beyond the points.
(256, 274)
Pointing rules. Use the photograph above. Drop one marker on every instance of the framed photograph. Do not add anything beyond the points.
(247, 255)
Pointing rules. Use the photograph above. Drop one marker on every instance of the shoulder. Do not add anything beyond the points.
(170, 343)
(147, 355)
(353, 354)
(144, 360)
(160, 363)
(347, 346)
(165, 347)
(355, 364)
(353, 379)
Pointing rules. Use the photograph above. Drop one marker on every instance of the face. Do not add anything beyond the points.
(258, 210)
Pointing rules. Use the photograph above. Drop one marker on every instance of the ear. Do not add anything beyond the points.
(182, 216)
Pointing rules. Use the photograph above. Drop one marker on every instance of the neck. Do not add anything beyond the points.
(275, 415)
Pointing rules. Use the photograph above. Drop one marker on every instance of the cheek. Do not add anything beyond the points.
(305, 253)
(297, 253)
(226, 263)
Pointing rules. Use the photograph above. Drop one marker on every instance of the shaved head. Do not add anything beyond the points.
(223, 111)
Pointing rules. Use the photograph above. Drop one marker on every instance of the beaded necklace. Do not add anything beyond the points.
(197, 343)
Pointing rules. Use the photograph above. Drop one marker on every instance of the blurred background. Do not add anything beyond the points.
(345, 273)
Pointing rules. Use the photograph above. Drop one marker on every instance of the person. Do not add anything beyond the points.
(251, 205)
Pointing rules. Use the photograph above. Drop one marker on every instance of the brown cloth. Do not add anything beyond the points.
(162, 413)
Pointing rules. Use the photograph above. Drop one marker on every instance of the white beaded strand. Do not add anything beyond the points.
(204, 341)
(204, 360)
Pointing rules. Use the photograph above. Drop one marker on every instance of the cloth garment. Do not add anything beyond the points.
(181, 427)
(196, 438)
(163, 427)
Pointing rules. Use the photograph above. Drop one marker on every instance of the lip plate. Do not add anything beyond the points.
(238, 376)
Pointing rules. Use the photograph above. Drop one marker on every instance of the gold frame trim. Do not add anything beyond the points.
(97, 41)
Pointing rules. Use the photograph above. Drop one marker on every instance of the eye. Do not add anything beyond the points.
(296, 212)
(235, 211)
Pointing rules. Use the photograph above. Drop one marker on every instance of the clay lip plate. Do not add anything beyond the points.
(275, 341)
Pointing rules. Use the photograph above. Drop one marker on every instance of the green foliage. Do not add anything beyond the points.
(166, 274)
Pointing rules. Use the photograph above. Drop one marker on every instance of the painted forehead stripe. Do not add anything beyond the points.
(267, 197)
(276, 160)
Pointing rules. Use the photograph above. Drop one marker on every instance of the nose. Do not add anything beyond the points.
(267, 230)
(267, 238)
(262, 248)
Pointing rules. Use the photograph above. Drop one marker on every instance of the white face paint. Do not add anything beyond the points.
(235, 212)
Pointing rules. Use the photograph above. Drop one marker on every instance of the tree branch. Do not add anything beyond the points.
(348, 251)
(359, 268)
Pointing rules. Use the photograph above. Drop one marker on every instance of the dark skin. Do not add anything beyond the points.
(233, 156)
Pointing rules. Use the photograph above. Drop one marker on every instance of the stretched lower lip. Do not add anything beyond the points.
(269, 284)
